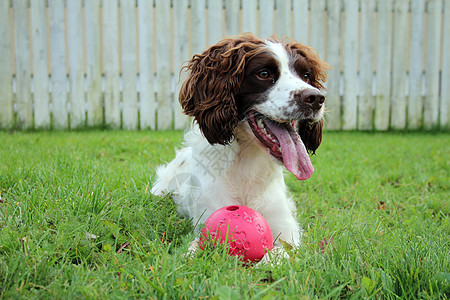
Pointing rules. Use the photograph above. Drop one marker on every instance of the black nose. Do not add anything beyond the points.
(314, 98)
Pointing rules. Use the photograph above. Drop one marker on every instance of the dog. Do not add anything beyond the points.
(257, 108)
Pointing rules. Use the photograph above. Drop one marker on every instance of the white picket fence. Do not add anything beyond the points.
(73, 63)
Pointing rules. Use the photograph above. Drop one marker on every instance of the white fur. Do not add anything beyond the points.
(242, 173)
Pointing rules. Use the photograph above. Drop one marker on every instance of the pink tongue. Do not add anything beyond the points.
(295, 156)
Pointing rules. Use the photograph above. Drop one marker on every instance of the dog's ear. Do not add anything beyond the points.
(208, 94)
(311, 134)
(318, 66)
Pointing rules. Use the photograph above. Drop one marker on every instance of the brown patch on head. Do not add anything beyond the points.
(305, 59)
(209, 92)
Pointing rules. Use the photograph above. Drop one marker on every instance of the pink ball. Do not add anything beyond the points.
(249, 234)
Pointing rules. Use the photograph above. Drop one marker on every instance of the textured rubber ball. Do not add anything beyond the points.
(244, 229)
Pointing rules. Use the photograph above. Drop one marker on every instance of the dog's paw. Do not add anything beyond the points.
(275, 256)
(193, 248)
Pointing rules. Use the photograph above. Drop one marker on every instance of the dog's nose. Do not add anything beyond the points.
(312, 97)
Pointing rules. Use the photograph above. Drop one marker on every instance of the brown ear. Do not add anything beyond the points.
(318, 66)
(311, 134)
(208, 94)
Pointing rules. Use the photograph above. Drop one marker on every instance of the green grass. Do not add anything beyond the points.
(77, 221)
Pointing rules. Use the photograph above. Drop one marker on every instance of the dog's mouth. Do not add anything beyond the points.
(283, 143)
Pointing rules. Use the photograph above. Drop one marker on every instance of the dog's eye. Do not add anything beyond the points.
(307, 76)
(264, 74)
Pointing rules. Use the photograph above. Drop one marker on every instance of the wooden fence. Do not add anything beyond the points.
(73, 63)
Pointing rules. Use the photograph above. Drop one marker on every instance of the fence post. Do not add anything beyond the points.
(249, 16)
(76, 70)
(6, 72)
(445, 80)
(23, 72)
(146, 64)
(349, 115)
(399, 60)
(215, 21)
(415, 102)
(283, 18)
(266, 17)
(58, 62)
(129, 64)
(40, 64)
(431, 105)
(318, 29)
(383, 75)
(180, 55)
(232, 20)
(333, 102)
(111, 62)
(300, 15)
(163, 59)
(93, 63)
(198, 26)
(366, 56)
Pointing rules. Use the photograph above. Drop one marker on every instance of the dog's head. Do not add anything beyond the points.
(273, 85)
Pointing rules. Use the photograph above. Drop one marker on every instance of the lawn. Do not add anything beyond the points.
(77, 221)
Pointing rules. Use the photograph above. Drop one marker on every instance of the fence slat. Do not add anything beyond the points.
(215, 21)
(146, 65)
(266, 18)
(333, 57)
(283, 18)
(58, 63)
(232, 20)
(383, 74)
(93, 67)
(198, 34)
(318, 30)
(431, 103)
(111, 62)
(300, 15)
(249, 16)
(181, 54)
(6, 72)
(349, 114)
(129, 67)
(23, 72)
(164, 93)
(445, 80)
(365, 103)
(399, 60)
(40, 65)
(415, 101)
(76, 71)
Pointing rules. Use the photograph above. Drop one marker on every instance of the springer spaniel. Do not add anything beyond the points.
(257, 106)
